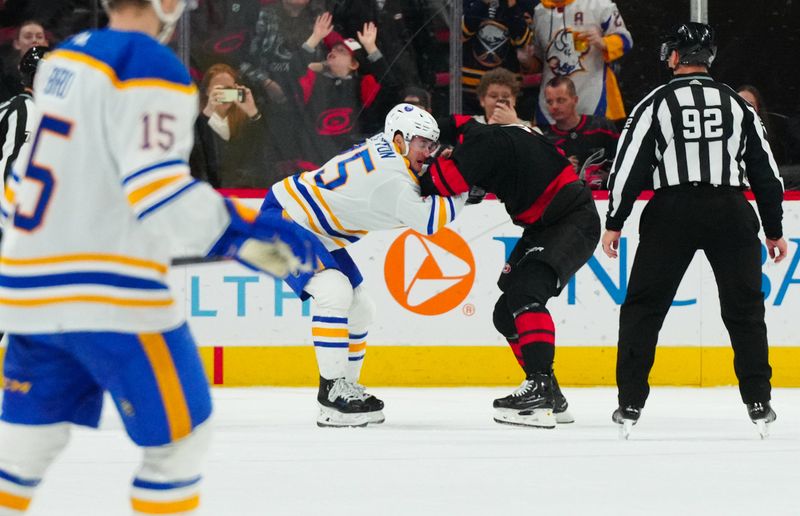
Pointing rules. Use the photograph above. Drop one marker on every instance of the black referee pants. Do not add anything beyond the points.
(676, 223)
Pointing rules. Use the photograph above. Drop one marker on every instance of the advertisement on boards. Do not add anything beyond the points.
(440, 290)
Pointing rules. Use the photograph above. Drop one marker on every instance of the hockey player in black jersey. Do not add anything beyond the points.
(543, 194)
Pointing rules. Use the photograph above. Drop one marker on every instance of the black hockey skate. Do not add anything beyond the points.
(626, 417)
(530, 405)
(341, 404)
(762, 415)
(373, 404)
(560, 404)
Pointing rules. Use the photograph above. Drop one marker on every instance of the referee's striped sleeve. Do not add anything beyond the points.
(762, 174)
(13, 124)
(634, 163)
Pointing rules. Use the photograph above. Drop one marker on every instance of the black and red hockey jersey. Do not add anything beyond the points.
(589, 136)
(514, 162)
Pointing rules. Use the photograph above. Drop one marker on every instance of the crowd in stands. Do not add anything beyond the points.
(285, 84)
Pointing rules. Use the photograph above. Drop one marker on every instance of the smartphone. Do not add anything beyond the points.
(231, 95)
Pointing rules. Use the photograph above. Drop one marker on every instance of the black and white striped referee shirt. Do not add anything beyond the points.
(15, 129)
(694, 129)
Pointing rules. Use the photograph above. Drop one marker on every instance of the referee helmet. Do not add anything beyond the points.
(694, 43)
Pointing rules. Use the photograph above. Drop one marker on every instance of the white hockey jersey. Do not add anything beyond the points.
(587, 66)
(102, 198)
(368, 187)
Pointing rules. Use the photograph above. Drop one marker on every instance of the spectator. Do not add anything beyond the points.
(400, 38)
(497, 94)
(274, 56)
(278, 36)
(230, 134)
(579, 39)
(775, 132)
(30, 33)
(497, 91)
(222, 31)
(492, 32)
(579, 136)
(417, 96)
(340, 103)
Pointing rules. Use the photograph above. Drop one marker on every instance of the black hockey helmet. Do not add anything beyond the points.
(694, 43)
(29, 62)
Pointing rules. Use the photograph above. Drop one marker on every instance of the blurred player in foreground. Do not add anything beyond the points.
(372, 186)
(95, 209)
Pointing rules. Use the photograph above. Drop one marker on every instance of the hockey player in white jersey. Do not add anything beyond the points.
(95, 209)
(372, 186)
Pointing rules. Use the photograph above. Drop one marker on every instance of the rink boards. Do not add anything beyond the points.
(435, 296)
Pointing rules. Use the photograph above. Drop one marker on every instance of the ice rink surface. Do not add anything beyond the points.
(694, 452)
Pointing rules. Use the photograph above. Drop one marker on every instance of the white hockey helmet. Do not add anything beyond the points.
(410, 121)
(168, 19)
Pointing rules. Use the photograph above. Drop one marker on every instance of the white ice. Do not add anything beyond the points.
(694, 452)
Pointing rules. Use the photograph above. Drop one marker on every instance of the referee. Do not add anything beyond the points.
(16, 115)
(699, 145)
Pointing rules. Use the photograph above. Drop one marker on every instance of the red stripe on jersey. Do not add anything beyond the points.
(460, 120)
(533, 213)
(369, 90)
(447, 178)
(602, 131)
(307, 84)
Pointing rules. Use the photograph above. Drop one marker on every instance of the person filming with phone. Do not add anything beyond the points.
(230, 134)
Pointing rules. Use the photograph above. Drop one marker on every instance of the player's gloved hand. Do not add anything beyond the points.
(278, 248)
(476, 195)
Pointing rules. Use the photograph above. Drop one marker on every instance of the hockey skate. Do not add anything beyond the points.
(762, 415)
(373, 404)
(560, 405)
(530, 405)
(626, 417)
(341, 404)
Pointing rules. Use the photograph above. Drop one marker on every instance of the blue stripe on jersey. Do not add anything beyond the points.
(355, 359)
(430, 219)
(24, 482)
(132, 55)
(169, 199)
(163, 164)
(320, 216)
(331, 344)
(322, 318)
(626, 43)
(4, 212)
(452, 209)
(80, 278)
(164, 486)
(358, 336)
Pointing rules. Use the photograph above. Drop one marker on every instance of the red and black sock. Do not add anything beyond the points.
(536, 342)
(515, 347)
